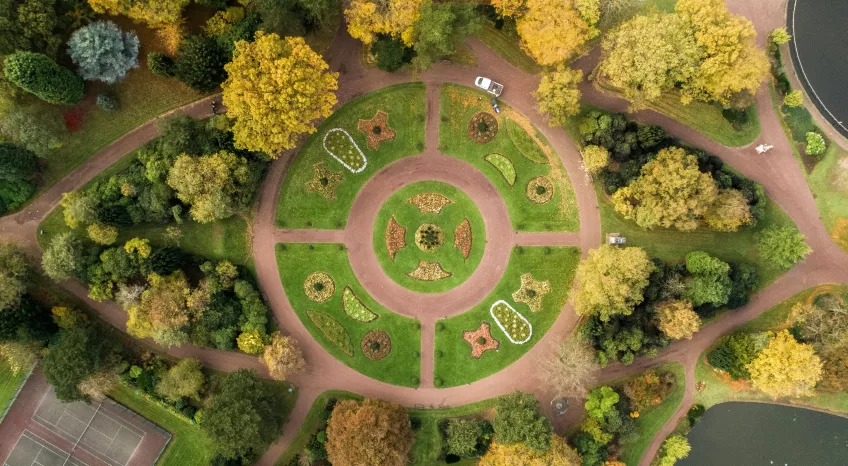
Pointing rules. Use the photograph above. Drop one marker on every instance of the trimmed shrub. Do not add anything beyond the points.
(107, 102)
(794, 99)
(160, 64)
(41, 76)
(201, 63)
(391, 54)
(815, 144)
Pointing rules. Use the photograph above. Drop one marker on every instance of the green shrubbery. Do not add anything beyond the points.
(815, 144)
(41, 76)
(18, 166)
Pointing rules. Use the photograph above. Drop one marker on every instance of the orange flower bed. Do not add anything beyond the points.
(429, 203)
(462, 238)
(395, 237)
(481, 340)
(429, 272)
(377, 129)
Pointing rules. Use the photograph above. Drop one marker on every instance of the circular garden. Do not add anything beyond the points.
(429, 237)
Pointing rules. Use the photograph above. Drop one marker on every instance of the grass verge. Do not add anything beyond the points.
(428, 440)
(402, 365)
(509, 49)
(457, 105)
(9, 385)
(298, 208)
(454, 365)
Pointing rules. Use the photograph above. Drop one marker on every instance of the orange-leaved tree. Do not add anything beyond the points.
(369, 432)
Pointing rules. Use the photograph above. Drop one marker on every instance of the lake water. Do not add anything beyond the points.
(820, 35)
(758, 434)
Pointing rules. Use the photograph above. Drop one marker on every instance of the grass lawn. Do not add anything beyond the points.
(651, 420)
(189, 445)
(704, 118)
(450, 258)
(521, 143)
(673, 245)
(299, 208)
(428, 440)
(402, 365)
(507, 47)
(721, 388)
(454, 365)
(9, 384)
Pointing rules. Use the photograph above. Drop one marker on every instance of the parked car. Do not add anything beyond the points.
(489, 86)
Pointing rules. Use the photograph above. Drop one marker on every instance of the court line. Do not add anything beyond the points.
(83, 433)
(53, 427)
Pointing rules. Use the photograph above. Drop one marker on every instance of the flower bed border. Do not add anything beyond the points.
(540, 199)
(355, 145)
(497, 321)
(381, 120)
(327, 191)
(478, 137)
(535, 302)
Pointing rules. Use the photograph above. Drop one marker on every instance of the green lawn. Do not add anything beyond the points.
(189, 444)
(299, 208)
(673, 245)
(9, 385)
(720, 388)
(458, 105)
(454, 365)
(508, 48)
(402, 366)
(449, 258)
(651, 420)
(428, 440)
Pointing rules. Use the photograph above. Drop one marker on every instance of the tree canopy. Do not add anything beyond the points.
(557, 95)
(369, 432)
(611, 281)
(77, 354)
(518, 420)
(518, 454)
(785, 367)
(571, 369)
(103, 52)
(184, 380)
(782, 247)
(14, 275)
(368, 18)
(156, 13)
(677, 319)
(552, 31)
(439, 27)
(39, 75)
(283, 357)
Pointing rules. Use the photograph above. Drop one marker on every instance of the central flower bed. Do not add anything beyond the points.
(444, 226)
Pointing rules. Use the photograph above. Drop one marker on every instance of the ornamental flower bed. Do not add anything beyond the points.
(324, 181)
(377, 129)
(429, 272)
(429, 237)
(540, 190)
(462, 238)
(516, 328)
(376, 345)
(429, 203)
(319, 287)
(341, 146)
(481, 340)
(333, 330)
(482, 127)
(504, 166)
(395, 237)
(531, 292)
(354, 308)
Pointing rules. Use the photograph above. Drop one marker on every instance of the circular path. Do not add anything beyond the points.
(778, 172)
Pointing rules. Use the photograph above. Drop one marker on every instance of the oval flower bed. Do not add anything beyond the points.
(354, 307)
(333, 330)
(504, 166)
(517, 329)
(339, 144)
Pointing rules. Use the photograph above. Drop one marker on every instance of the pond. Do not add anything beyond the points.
(753, 434)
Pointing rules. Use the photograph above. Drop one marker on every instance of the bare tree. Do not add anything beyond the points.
(571, 369)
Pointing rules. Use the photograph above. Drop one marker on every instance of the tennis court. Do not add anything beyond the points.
(32, 450)
(89, 427)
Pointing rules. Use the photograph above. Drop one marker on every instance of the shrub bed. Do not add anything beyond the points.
(333, 330)
(354, 308)
(504, 166)
(482, 127)
(525, 143)
(517, 329)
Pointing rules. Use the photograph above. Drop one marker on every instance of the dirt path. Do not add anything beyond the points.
(778, 172)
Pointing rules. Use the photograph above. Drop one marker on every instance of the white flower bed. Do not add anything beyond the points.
(516, 328)
(347, 157)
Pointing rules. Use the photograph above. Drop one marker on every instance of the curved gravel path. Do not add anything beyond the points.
(778, 172)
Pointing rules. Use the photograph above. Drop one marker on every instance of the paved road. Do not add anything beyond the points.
(778, 172)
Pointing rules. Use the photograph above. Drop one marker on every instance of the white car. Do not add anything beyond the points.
(489, 86)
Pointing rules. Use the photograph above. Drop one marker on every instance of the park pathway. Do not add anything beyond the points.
(778, 172)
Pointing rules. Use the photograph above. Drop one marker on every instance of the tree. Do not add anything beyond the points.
(156, 13)
(794, 98)
(779, 36)
(825, 322)
(462, 436)
(161, 64)
(103, 52)
(782, 247)
(601, 402)
(244, 416)
(735, 352)
(303, 92)
(184, 380)
(201, 64)
(210, 184)
(557, 95)
(16, 163)
(517, 454)
(670, 192)
(369, 432)
(18, 356)
(66, 317)
(368, 18)
(63, 258)
(77, 354)
(649, 55)
(252, 341)
(102, 234)
(518, 420)
(391, 53)
(595, 158)
(675, 447)
(513, 8)
(677, 319)
(611, 280)
(786, 367)
(731, 64)
(816, 144)
(710, 282)
(283, 357)
(571, 369)
(552, 31)
(79, 207)
(729, 211)
(14, 275)
(163, 308)
(439, 27)
(38, 131)
(39, 75)
(29, 25)
(98, 385)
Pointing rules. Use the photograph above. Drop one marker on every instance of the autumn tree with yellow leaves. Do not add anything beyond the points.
(557, 95)
(785, 367)
(368, 18)
(283, 357)
(611, 281)
(155, 13)
(518, 454)
(552, 31)
(275, 91)
(677, 319)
